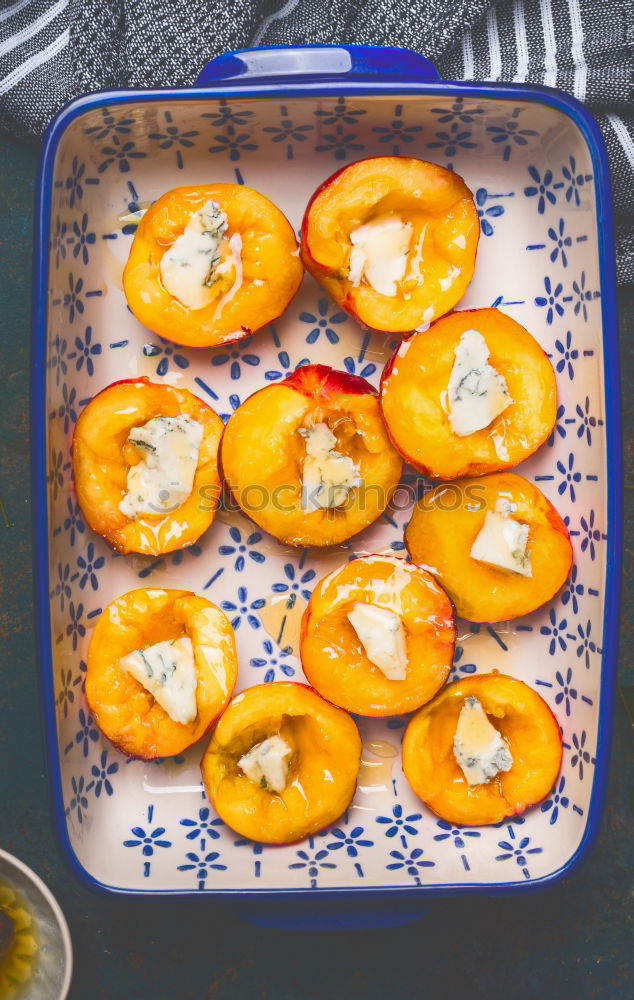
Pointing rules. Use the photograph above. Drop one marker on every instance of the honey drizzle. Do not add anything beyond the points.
(281, 617)
(375, 772)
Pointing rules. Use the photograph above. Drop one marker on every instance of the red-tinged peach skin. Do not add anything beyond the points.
(262, 453)
(445, 230)
(102, 457)
(323, 768)
(445, 523)
(525, 722)
(414, 390)
(270, 268)
(333, 657)
(122, 708)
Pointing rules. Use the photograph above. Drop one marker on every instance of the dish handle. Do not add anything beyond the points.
(326, 915)
(318, 63)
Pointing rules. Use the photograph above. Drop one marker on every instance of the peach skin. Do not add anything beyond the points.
(322, 750)
(125, 711)
(420, 416)
(334, 657)
(528, 728)
(308, 459)
(209, 265)
(393, 240)
(104, 458)
(447, 521)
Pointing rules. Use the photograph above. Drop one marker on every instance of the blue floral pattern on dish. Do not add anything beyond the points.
(102, 774)
(243, 608)
(236, 357)
(202, 827)
(243, 547)
(85, 352)
(510, 134)
(172, 137)
(543, 188)
(397, 132)
(202, 866)
(296, 584)
(274, 659)
(312, 862)
(574, 180)
(120, 152)
(89, 565)
(288, 131)
(527, 207)
(556, 801)
(519, 852)
(323, 322)
(412, 863)
(78, 803)
(166, 353)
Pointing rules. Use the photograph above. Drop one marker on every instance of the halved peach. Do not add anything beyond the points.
(250, 282)
(414, 391)
(445, 523)
(322, 777)
(526, 724)
(123, 709)
(264, 447)
(103, 456)
(333, 657)
(439, 230)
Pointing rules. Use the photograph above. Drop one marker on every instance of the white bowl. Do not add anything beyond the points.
(53, 964)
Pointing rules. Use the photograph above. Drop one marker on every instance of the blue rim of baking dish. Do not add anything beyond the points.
(368, 71)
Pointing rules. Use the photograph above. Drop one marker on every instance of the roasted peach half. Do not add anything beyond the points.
(393, 240)
(156, 659)
(496, 544)
(473, 394)
(308, 459)
(210, 264)
(528, 729)
(145, 464)
(377, 636)
(282, 763)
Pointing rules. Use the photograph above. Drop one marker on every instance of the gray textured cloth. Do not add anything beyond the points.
(52, 50)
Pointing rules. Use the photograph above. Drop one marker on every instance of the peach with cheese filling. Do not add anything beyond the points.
(473, 394)
(308, 459)
(378, 636)
(282, 763)
(146, 634)
(496, 544)
(145, 464)
(393, 240)
(529, 733)
(211, 264)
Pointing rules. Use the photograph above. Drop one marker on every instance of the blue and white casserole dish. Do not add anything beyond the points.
(281, 121)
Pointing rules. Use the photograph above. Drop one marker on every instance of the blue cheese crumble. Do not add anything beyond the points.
(168, 671)
(267, 764)
(327, 475)
(382, 636)
(502, 541)
(379, 253)
(477, 393)
(193, 263)
(478, 747)
(164, 478)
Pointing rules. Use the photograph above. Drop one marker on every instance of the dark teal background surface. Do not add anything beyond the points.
(574, 941)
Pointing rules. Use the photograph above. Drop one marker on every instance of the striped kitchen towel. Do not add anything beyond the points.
(52, 50)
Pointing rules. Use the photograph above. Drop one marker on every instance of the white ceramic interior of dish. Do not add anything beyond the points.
(53, 964)
(140, 826)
